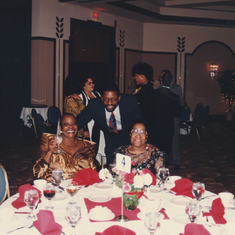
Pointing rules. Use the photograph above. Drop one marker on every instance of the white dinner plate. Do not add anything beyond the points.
(60, 196)
(109, 216)
(103, 186)
(99, 198)
(155, 189)
(140, 215)
(181, 201)
(181, 219)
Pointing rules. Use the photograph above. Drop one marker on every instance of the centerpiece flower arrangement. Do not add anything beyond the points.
(133, 185)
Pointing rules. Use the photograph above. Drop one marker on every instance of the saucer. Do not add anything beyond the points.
(179, 200)
(99, 198)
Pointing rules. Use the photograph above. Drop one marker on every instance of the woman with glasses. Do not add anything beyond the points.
(143, 154)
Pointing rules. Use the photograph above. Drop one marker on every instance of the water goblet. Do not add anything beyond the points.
(163, 175)
(31, 198)
(49, 192)
(192, 210)
(57, 176)
(152, 221)
(198, 190)
(73, 215)
(72, 189)
(58, 140)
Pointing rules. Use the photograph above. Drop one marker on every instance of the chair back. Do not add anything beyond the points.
(53, 115)
(185, 114)
(4, 186)
(38, 123)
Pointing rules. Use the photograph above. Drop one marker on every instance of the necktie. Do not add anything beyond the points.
(112, 124)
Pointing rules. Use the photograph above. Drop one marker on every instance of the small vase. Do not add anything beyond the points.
(130, 201)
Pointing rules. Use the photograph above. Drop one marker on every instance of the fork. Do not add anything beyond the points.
(26, 226)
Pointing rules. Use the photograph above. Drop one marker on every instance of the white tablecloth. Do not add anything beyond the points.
(174, 210)
(26, 114)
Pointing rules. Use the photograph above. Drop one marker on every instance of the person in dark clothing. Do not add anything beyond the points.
(143, 76)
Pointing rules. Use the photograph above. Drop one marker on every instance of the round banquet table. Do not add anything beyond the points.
(174, 208)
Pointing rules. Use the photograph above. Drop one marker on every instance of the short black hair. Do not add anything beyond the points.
(143, 69)
(110, 87)
(166, 77)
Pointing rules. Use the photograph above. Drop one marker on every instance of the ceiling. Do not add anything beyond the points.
(190, 12)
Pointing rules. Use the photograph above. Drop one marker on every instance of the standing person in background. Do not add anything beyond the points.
(143, 77)
(166, 108)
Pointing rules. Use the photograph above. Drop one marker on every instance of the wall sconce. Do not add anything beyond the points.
(214, 68)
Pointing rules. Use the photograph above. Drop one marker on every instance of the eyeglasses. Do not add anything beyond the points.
(136, 131)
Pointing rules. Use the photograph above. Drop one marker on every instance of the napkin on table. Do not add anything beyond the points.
(116, 230)
(19, 202)
(195, 229)
(46, 224)
(183, 187)
(87, 177)
(217, 211)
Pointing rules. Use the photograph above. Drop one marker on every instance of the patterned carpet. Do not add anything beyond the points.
(212, 160)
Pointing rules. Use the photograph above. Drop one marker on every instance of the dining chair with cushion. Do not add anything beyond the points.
(53, 115)
(4, 189)
(38, 123)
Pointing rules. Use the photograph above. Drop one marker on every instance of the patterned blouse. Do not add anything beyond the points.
(147, 159)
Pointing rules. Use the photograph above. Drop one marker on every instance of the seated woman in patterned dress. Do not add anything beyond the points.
(143, 154)
(76, 153)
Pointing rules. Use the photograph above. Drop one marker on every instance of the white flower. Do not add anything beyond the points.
(104, 174)
(147, 179)
(138, 181)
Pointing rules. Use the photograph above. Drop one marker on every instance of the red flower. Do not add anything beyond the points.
(129, 178)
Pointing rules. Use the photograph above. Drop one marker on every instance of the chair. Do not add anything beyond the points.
(4, 189)
(54, 115)
(185, 122)
(38, 123)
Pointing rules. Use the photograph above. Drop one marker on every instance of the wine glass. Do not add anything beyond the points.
(198, 190)
(192, 210)
(73, 215)
(72, 189)
(163, 175)
(49, 192)
(111, 167)
(31, 197)
(57, 176)
(152, 221)
(58, 140)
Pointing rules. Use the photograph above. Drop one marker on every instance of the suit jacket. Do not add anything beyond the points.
(166, 107)
(129, 112)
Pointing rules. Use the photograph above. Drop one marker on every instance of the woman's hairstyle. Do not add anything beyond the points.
(143, 69)
(85, 79)
(166, 77)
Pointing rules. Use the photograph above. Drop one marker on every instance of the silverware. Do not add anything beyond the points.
(21, 212)
(20, 228)
(58, 186)
(226, 207)
(37, 204)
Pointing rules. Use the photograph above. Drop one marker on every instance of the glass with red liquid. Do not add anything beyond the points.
(49, 192)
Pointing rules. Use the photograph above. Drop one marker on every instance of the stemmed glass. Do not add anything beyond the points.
(72, 189)
(192, 210)
(49, 193)
(58, 140)
(163, 175)
(152, 221)
(57, 176)
(73, 215)
(31, 197)
(111, 167)
(198, 190)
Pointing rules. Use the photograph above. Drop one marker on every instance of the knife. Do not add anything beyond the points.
(58, 186)
(226, 207)
(30, 226)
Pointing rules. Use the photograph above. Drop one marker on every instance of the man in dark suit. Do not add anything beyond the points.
(166, 108)
(114, 114)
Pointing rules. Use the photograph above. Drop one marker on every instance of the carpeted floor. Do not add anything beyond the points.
(212, 160)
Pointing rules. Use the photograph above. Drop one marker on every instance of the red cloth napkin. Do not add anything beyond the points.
(46, 224)
(115, 206)
(164, 213)
(87, 177)
(195, 229)
(116, 230)
(19, 202)
(217, 211)
(183, 187)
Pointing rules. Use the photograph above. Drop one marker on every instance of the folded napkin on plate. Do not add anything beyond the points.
(195, 229)
(183, 187)
(46, 224)
(87, 177)
(217, 211)
(116, 230)
(19, 202)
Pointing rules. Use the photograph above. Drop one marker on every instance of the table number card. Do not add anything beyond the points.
(123, 163)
